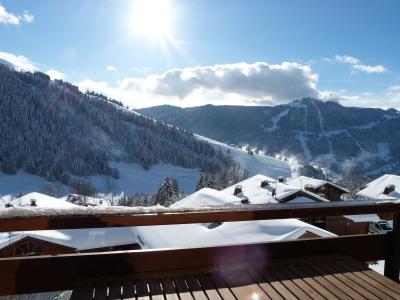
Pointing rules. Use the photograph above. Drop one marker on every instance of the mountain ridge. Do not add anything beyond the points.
(326, 134)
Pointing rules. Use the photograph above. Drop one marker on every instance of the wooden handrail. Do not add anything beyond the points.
(242, 213)
(20, 274)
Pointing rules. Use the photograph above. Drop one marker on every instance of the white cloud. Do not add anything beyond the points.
(240, 83)
(54, 74)
(112, 69)
(370, 69)
(358, 67)
(28, 17)
(10, 18)
(347, 59)
(20, 63)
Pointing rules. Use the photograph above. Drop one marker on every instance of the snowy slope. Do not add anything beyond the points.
(256, 163)
(133, 179)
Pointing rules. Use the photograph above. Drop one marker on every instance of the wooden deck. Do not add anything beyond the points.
(311, 278)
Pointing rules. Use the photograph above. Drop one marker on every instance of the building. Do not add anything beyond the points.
(322, 188)
(52, 242)
(386, 187)
(222, 233)
(261, 189)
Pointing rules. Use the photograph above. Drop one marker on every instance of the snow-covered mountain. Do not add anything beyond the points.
(326, 134)
(49, 130)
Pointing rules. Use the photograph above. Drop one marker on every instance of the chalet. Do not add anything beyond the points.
(222, 233)
(386, 187)
(261, 189)
(322, 188)
(25, 243)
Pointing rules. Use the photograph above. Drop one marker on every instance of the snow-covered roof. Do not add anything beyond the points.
(200, 235)
(302, 181)
(251, 188)
(375, 189)
(207, 197)
(80, 239)
(363, 218)
(42, 201)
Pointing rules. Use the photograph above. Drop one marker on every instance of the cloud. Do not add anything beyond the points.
(20, 63)
(358, 67)
(13, 19)
(112, 69)
(347, 59)
(238, 83)
(54, 74)
(370, 69)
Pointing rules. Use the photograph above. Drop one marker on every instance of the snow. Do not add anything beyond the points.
(24, 183)
(375, 189)
(378, 267)
(41, 200)
(363, 218)
(207, 197)
(79, 239)
(134, 179)
(275, 120)
(199, 235)
(251, 188)
(254, 164)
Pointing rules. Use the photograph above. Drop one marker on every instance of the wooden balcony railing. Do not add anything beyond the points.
(62, 272)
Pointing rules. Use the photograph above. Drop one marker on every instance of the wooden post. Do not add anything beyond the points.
(392, 261)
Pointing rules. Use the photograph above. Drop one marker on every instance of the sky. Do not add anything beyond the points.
(196, 52)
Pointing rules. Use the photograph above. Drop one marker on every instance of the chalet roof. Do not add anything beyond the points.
(199, 235)
(375, 188)
(81, 239)
(302, 181)
(251, 188)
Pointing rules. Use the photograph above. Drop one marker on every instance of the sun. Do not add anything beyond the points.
(152, 18)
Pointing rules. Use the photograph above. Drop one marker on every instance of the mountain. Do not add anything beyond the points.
(325, 134)
(51, 129)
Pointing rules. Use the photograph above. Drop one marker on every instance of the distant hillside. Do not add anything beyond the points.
(328, 134)
(51, 129)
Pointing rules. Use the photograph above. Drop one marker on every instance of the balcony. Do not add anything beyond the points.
(318, 268)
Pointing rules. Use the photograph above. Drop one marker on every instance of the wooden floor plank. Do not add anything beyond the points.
(169, 290)
(114, 290)
(141, 289)
(346, 279)
(388, 283)
(266, 286)
(128, 290)
(369, 284)
(334, 281)
(182, 288)
(323, 282)
(296, 279)
(100, 291)
(156, 290)
(83, 291)
(313, 283)
(221, 286)
(289, 284)
(208, 287)
(277, 285)
(195, 288)
(243, 286)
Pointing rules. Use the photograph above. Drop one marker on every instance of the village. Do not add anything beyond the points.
(256, 190)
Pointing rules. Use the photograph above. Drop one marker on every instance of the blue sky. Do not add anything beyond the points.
(220, 52)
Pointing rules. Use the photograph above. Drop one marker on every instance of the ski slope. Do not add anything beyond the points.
(254, 164)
